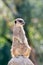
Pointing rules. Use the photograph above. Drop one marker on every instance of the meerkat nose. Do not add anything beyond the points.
(23, 23)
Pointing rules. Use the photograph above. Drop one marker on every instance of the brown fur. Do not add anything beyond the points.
(20, 45)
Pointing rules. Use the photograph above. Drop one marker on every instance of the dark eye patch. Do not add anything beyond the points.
(20, 21)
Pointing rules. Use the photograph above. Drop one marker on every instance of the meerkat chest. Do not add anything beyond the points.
(19, 32)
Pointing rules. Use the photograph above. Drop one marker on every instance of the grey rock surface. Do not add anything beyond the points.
(20, 60)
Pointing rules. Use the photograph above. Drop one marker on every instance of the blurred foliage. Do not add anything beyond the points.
(32, 12)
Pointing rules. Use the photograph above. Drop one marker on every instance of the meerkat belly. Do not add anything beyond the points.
(19, 49)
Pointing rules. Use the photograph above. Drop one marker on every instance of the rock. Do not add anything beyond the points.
(20, 60)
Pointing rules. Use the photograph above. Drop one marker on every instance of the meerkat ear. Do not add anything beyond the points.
(15, 22)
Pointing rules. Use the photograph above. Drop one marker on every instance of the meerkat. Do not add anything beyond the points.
(20, 46)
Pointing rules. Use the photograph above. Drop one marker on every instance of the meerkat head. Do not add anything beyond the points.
(19, 21)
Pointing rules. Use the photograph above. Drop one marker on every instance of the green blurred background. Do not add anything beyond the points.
(32, 12)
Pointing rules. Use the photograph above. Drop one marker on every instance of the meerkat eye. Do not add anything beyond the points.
(15, 22)
(20, 21)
